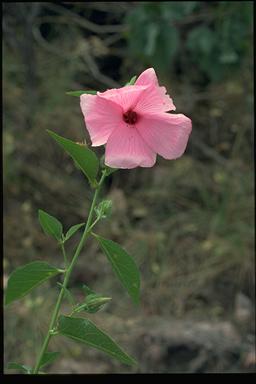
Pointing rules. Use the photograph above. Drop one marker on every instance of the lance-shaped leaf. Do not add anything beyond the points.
(20, 367)
(48, 358)
(24, 279)
(72, 231)
(85, 331)
(50, 224)
(79, 93)
(123, 265)
(83, 156)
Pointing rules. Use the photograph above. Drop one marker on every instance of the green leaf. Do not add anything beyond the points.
(85, 331)
(50, 225)
(79, 93)
(73, 230)
(49, 358)
(24, 279)
(83, 156)
(18, 366)
(132, 81)
(123, 265)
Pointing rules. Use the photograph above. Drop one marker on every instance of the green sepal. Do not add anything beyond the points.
(79, 93)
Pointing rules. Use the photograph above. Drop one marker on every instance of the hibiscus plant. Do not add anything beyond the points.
(134, 124)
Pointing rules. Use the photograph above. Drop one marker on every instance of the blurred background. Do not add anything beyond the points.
(188, 223)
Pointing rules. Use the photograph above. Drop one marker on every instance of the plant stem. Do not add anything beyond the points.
(64, 254)
(67, 275)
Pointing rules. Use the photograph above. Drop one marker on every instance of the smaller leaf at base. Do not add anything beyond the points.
(50, 225)
(85, 331)
(123, 265)
(72, 231)
(27, 277)
(48, 358)
(21, 367)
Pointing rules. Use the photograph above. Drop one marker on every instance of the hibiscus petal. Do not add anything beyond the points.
(148, 77)
(101, 117)
(126, 97)
(166, 134)
(156, 98)
(126, 149)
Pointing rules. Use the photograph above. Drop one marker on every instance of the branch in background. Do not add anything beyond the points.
(85, 54)
(110, 7)
(112, 39)
(84, 23)
(44, 43)
(93, 67)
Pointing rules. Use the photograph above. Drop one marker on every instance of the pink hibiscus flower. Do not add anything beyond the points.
(134, 124)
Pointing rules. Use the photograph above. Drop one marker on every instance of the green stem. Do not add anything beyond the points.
(67, 275)
(64, 254)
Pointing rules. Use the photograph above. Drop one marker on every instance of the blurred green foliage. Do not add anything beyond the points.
(213, 36)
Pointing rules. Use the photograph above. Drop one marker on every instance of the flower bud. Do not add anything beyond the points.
(104, 209)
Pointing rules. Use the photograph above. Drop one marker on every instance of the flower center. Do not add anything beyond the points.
(130, 117)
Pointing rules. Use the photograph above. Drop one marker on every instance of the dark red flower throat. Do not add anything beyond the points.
(130, 117)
